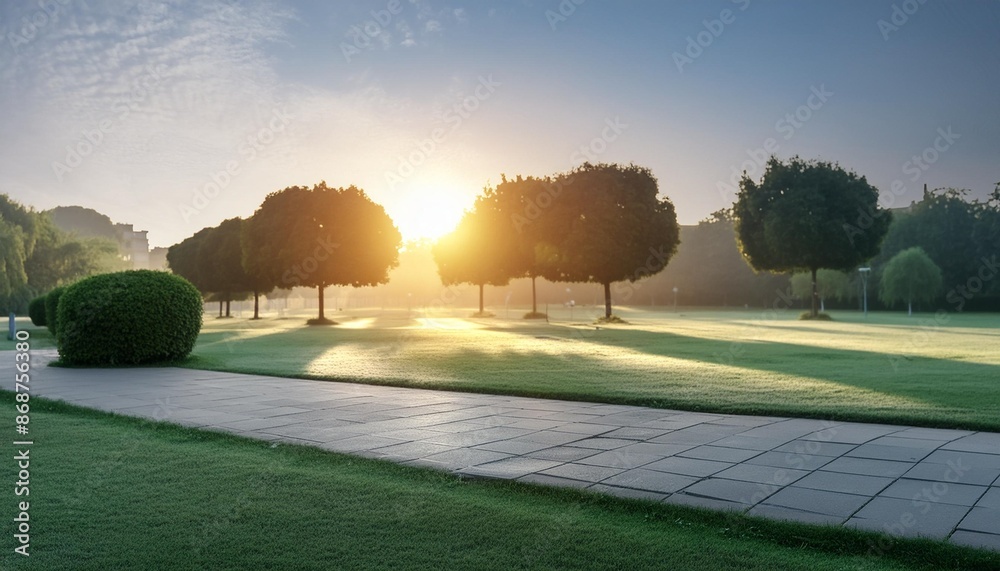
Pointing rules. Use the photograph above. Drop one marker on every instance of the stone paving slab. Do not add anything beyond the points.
(903, 518)
(905, 481)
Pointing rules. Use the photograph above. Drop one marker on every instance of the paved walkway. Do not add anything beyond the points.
(906, 481)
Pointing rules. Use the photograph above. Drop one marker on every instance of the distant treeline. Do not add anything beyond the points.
(37, 256)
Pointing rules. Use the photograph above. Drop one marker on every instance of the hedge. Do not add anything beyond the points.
(51, 308)
(128, 318)
(36, 311)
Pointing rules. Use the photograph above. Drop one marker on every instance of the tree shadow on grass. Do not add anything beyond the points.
(712, 375)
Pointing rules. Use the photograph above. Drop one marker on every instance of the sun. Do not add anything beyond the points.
(430, 210)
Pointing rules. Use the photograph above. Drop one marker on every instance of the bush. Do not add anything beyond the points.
(128, 318)
(36, 311)
(535, 315)
(52, 307)
(612, 319)
(808, 316)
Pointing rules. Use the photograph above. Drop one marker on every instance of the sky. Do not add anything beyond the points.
(174, 116)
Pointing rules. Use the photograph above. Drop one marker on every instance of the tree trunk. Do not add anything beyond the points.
(256, 305)
(607, 300)
(227, 308)
(534, 300)
(481, 286)
(220, 308)
(815, 295)
(320, 287)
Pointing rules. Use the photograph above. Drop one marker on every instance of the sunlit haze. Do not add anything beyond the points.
(173, 117)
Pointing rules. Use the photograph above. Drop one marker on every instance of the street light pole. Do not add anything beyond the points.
(864, 283)
(675, 299)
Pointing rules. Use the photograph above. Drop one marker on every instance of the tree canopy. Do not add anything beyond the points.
(612, 226)
(534, 231)
(480, 250)
(805, 215)
(320, 236)
(83, 222)
(183, 259)
(36, 256)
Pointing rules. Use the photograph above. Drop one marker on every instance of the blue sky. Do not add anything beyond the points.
(174, 116)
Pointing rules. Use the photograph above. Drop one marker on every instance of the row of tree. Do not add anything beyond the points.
(599, 224)
(312, 237)
(596, 224)
(36, 256)
(604, 224)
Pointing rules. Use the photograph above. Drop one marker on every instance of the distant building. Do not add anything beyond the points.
(133, 246)
(158, 259)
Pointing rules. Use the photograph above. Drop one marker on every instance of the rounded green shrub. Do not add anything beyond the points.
(36, 311)
(51, 308)
(128, 318)
(808, 316)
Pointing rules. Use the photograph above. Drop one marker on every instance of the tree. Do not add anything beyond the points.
(83, 222)
(807, 215)
(18, 234)
(13, 279)
(479, 250)
(986, 235)
(220, 257)
(36, 256)
(612, 226)
(320, 237)
(944, 225)
(60, 259)
(183, 260)
(526, 202)
(910, 276)
(829, 284)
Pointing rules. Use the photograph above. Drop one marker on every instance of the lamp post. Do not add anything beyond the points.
(675, 299)
(865, 272)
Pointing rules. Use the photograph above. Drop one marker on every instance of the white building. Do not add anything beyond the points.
(133, 245)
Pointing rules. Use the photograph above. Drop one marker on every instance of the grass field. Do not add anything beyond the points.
(925, 370)
(112, 493)
(892, 368)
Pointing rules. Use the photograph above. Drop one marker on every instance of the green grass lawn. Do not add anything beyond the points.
(112, 492)
(892, 368)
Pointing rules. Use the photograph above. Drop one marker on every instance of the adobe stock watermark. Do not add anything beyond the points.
(588, 152)
(453, 119)
(922, 502)
(900, 15)
(91, 139)
(698, 43)
(363, 36)
(786, 127)
(248, 151)
(562, 13)
(915, 167)
(31, 26)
